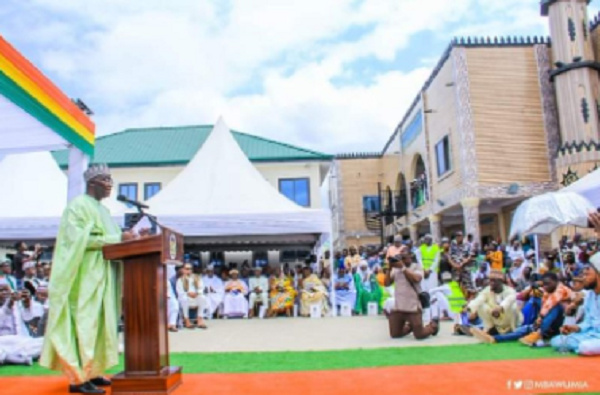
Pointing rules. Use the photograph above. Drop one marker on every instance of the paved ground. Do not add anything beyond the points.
(301, 334)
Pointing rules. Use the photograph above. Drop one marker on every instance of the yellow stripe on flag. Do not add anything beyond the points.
(37, 93)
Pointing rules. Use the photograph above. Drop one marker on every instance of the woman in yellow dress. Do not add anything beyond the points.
(312, 292)
(281, 295)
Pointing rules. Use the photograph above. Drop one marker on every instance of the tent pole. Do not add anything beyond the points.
(78, 164)
(537, 252)
(331, 262)
(562, 264)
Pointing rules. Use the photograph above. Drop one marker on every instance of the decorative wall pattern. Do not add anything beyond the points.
(471, 218)
(550, 112)
(466, 130)
(435, 228)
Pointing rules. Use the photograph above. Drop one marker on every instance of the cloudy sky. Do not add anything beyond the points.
(330, 75)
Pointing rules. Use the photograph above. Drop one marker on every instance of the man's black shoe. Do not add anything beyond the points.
(85, 388)
(436, 326)
(100, 382)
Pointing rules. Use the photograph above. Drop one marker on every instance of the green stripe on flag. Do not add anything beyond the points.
(29, 104)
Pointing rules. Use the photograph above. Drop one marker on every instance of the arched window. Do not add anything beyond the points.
(401, 196)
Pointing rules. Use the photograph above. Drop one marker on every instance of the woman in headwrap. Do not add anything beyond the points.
(282, 294)
(352, 260)
(312, 291)
(367, 288)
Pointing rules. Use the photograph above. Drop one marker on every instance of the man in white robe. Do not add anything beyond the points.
(345, 290)
(31, 312)
(16, 345)
(440, 306)
(172, 308)
(190, 292)
(235, 303)
(31, 276)
(215, 290)
(6, 273)
(259, 288)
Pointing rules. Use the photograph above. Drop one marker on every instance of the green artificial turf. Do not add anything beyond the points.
(252, 362)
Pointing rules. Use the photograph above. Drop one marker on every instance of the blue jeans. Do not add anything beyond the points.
(551, 324)
(531, 310)
(521, 331)
(553, 321)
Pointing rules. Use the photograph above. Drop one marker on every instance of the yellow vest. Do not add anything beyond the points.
(456, 298)
(428, 255)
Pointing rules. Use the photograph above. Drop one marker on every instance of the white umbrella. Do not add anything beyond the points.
(544, 213)
(588, 187)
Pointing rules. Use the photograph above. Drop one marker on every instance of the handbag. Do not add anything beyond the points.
(424, 297)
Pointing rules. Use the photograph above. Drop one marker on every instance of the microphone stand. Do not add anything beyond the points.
(150, 217)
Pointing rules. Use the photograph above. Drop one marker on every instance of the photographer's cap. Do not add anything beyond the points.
(595, 261)
(496, 275)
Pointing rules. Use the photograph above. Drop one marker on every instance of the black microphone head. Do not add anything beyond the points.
(122, 198)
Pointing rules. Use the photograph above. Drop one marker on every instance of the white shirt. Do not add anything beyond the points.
(170, 292)
(191, 285)
(7, 320)
(35, 310)
(261, 282)
(514, 254)
(213, 282)
(516, 272)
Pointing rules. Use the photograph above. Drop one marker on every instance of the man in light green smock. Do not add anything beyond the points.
(84, 291)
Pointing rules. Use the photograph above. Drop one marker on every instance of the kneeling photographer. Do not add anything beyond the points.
(409, 301)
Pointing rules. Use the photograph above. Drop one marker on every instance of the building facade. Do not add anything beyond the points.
(143, 161)
(498, 121)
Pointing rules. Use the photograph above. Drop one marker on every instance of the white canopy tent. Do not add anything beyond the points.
(220, 197)
(34, 194)
(36, 117)
(21, 132)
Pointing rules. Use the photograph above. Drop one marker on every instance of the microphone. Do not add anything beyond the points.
(125, 199)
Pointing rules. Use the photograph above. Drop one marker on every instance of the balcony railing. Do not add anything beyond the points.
(392, 204)
(419, 192)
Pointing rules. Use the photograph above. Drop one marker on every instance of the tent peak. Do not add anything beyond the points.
(220, 127)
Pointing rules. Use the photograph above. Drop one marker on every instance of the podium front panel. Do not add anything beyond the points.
(144, 289)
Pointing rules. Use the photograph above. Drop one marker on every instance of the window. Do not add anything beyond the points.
(442, 154)
(130, 191)
(414, 128)
(298, 256)
(151, 189)
(296, 189)
(371, 204)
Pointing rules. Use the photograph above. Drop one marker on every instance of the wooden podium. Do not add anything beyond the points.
(147, 369)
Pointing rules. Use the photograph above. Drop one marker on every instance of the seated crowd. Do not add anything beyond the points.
(23, 305)
(494, 292)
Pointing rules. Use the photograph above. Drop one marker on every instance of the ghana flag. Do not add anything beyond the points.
(25, 90)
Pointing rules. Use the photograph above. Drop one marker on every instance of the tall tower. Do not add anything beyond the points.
(577, 87)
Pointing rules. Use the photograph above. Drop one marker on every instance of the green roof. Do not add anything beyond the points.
(165, 146)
